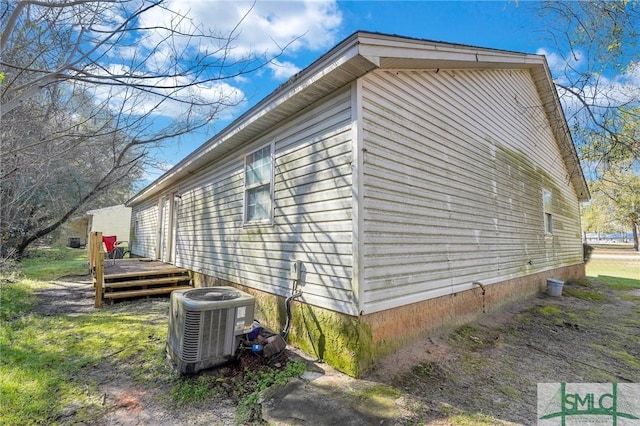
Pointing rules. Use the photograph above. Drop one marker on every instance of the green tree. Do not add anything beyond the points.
(597, 46)
(597, 43)
(597, 215)
(615, 204)
(87, 92)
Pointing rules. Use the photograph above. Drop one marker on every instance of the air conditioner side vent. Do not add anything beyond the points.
(191, 337)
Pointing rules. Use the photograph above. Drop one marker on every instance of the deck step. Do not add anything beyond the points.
(171, 271)
(147, 282)
(145, 292)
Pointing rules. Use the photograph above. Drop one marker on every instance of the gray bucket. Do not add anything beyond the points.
(554, 287)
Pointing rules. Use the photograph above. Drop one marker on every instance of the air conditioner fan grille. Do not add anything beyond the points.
(212, 294)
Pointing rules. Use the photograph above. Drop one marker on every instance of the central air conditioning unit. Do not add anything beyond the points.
(204, 325)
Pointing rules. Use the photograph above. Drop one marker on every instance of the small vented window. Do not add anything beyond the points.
(547, 207)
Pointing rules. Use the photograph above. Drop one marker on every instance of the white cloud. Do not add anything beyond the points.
(600, 92)
(283, 70)
(266, 28)
(558, 64)
(165, 99)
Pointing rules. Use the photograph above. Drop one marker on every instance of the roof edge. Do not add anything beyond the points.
(372, 47)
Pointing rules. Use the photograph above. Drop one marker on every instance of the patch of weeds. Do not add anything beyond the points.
(510, 391)
(595, 374)
(464, 332)
(192, 390)
(242, 382)
(634, 339)
(573, 318)
(630, 298)
(510, 330)
(379, 390)
(626, 357)
(378, 400)
(632, 320)
(524, 318)
(630, 360)
(588, 295)
(472, 363)
(425, 370)
(591, 313)
(472, 337)
(249, 410)
(549, 311)
(424, 376)
(552, 314)
(15, 300)
(582, 282)
(457, 417)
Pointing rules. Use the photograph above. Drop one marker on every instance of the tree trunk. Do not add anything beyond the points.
(634, 228)
(27, 240)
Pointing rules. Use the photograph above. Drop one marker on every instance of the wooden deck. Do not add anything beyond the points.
(127, 278)
(136, 277)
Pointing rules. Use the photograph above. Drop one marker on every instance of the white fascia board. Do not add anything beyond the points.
(295, 85)
(104, 209)
(386, 49)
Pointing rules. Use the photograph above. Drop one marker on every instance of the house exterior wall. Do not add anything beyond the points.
(112, 221)
(455, 164)
(144, 219)
(312, 212)
(397, 193)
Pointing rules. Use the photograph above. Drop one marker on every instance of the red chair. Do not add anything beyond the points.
(111, 246)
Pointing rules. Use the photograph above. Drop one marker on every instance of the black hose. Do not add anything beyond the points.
(287, 302)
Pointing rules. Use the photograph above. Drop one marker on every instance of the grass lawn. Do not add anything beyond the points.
(53, 263)
(47, 361)
(621, 273)
(51, 365)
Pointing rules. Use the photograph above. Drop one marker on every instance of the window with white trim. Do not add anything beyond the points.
(547, 203)
(258, 186)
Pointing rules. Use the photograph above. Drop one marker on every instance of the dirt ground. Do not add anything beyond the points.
(128, 403)
(492, 366)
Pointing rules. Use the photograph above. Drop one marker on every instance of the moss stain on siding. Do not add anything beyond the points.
(534, 177)
(340, 340)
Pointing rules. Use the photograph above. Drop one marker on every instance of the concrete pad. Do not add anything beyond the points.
(323, 396)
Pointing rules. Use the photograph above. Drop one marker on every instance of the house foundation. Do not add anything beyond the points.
(353, 345)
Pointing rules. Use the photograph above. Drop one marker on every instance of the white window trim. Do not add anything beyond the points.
(547, 221)
(245, 201)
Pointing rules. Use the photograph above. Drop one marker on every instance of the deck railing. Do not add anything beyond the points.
(96, 255)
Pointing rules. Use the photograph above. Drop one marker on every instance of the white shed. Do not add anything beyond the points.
(112, 220)
(419, 183)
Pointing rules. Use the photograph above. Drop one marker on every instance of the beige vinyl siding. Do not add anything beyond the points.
(145, 233)
(312, 212)
(454, 167)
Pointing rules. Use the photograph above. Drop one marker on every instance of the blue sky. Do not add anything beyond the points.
(509, 25)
